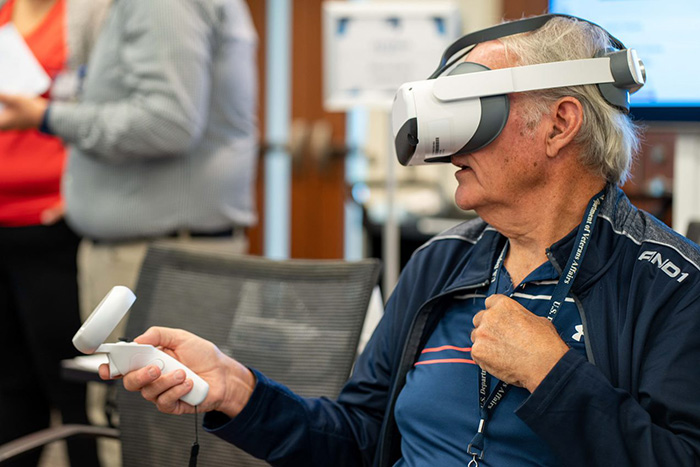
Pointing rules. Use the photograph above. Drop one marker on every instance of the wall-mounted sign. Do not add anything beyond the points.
(370, 49)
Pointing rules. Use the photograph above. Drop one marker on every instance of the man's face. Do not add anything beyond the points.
(502, 172)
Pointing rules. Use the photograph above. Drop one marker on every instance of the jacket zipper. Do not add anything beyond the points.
(404, 366)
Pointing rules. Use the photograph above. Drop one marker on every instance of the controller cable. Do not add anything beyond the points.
(194, 451)
(195, 446)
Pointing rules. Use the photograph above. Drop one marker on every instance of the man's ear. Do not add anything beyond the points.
(566, 121)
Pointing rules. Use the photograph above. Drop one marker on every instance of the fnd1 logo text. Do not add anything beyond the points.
(671, 270)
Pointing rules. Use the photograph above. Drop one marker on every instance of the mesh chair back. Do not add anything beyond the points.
(298, 321)
(694, 231)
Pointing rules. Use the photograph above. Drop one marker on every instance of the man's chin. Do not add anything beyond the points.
(465, 202)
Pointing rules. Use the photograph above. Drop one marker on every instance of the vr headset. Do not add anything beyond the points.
(467, 108)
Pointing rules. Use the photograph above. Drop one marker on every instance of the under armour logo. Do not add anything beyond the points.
(579, 333)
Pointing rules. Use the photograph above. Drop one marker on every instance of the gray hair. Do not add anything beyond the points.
(609, 139)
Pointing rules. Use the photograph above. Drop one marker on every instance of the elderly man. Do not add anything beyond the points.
(561, 328)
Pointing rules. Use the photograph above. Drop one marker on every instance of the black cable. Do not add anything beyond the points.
(194, 452)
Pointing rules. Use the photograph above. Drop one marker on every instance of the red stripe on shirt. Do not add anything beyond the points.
(446, 360)
(447, 347)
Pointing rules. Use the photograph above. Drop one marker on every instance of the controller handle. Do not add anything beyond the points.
(129, 356)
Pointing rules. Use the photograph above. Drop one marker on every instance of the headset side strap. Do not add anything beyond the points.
(523, 78)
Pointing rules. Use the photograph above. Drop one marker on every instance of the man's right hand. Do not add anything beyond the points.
(230, 383)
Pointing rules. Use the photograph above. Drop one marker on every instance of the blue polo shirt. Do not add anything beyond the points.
(437, 411)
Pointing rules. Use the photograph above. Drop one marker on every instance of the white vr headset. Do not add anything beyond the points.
(466, 109)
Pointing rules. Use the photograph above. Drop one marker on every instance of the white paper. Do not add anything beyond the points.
(20, 72)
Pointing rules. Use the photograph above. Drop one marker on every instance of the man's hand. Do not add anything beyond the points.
(20, 112)
(514, 345)
(230, 383)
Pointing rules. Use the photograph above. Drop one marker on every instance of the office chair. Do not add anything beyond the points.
(298, 321)
(693, 231)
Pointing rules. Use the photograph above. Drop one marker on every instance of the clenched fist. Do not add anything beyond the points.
(514, 345)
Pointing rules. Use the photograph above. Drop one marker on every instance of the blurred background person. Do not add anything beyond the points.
(38, 279)
(164, 143)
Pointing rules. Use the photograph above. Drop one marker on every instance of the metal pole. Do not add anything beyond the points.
(391, 245)
(355, 176)
(278, 166)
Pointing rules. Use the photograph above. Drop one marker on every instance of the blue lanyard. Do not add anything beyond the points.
(488, 402)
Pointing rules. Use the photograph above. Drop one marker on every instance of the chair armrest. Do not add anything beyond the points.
(83, 368)
(41, 438)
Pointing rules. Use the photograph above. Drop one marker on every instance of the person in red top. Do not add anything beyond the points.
(38, 275)
(32, 162)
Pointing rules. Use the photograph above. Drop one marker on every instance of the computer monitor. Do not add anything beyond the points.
(666, 35)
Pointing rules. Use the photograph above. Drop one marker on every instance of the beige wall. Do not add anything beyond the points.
(425, 188)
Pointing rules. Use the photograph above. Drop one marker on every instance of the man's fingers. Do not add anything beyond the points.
(476, 320)
(492, 300)
(137, 379)
(152, 391)
(163, 390)
(152, 336)
(169, 401)
(163, 337)
(103, 371)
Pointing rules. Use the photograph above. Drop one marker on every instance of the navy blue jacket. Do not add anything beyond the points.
(634, 401)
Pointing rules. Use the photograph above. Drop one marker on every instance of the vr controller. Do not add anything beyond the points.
(129, 356)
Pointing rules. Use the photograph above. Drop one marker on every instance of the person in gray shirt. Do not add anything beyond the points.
(165, 138)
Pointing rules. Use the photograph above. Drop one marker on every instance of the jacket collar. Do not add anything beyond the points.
(612, 214)
(481, 259)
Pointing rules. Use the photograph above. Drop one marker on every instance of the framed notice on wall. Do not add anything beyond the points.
(370, 49)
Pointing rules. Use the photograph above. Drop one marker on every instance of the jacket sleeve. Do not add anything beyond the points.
(165, 49)
(287, 430)
(589, 422)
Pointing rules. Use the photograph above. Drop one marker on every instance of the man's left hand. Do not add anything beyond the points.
(20, 112)
(514, 345)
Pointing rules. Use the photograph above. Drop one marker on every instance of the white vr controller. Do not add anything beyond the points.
(129, 356)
